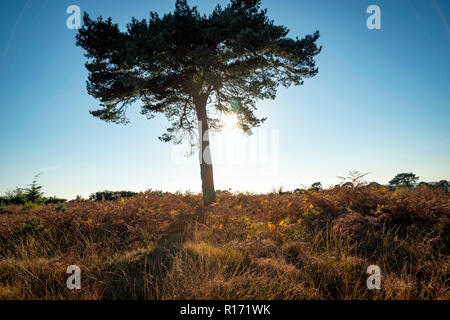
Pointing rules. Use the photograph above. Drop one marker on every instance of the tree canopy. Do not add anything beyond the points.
(404, 179)
(443, 184)
(182, 62)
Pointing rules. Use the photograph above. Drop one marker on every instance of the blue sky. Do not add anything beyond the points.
(380, 103)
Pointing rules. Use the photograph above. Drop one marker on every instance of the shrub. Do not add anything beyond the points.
(29, 196)
(111, 195)
(443, 184)
(317, 186)
(61, 208)
(16, 196)
(33, 193)
(29, 205)
(374, 185)
(54, 200)
(3, 207)
(30, 226)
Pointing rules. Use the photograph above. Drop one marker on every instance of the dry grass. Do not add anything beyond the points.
(314, 245)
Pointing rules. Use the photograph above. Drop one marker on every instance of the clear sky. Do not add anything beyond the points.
(380, 103)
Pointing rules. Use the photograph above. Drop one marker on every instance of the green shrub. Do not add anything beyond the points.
(317, 186)
(3, 207)
(31, 226)
(54, 200)
(29, 205)
(443, 184)
(16, 196)
(61, 208)
(111, 195)
(33, 193)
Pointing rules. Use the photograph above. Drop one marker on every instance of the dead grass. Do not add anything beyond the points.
(314, 245)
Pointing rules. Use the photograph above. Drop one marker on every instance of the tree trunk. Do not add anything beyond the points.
(206, 168)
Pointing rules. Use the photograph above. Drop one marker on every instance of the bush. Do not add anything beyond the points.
(54, 200)
(317, 186)
(443, 184)
(25, 196)
(111, 195)
(3, 207)
(31, 226)
(16, 196)
(29, 197)
(62, 207)
(33, 193)
(29, 205)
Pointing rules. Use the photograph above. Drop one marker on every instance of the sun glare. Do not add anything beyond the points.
(230, 121)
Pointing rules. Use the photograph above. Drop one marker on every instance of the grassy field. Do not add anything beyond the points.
(312, 245)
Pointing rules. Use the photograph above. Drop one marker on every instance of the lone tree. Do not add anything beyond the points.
(443, 184)
(404, 179)
(316, 186)
(194, 69)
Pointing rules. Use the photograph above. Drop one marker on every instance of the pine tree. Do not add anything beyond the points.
(34, 194)
(194, 68)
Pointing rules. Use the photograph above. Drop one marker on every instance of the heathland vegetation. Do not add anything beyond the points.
(310, 244)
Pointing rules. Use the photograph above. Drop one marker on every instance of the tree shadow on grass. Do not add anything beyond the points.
(136, 277)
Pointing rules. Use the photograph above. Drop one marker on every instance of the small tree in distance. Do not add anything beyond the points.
(423, 184)
(354, 178)
(404, 180)
(443, 184)
(33, 193)
(194, 68)
(316, 186)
